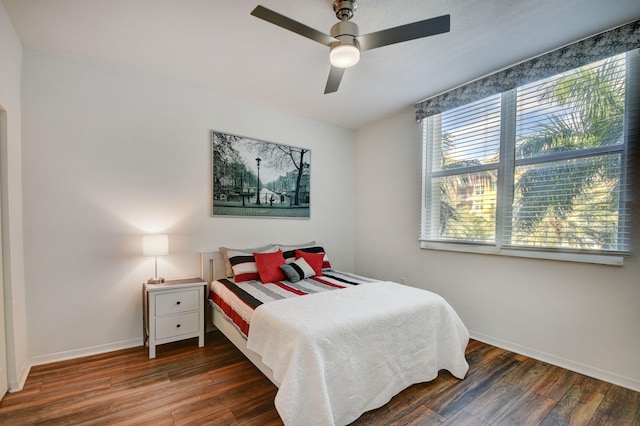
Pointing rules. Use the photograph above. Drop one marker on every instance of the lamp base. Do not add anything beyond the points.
(155, 280)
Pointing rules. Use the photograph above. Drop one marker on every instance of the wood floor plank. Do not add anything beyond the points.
(419, 416)
(216, 385)
(555, 383)
(499, 397)
(620, 407)
(475, 384)
(463, 418)
(530, 408)
(579, 404)
(240, 402)
(204, 415)
(50, 405)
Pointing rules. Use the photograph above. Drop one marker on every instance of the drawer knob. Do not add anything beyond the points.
(178, 326)
(178, 302)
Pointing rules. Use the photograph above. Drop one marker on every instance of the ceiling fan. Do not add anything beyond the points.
(345, 40)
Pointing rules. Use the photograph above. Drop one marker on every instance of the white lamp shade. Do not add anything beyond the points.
(155, 245)
(344, 56)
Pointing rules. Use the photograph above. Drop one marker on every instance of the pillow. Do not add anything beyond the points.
(269, 266)
(243, 265)
(317, 249)
(289, 250)
(225, 255)
(313, 259)
(297, 270)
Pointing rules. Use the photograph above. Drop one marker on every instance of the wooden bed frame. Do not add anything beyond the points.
(212, 268)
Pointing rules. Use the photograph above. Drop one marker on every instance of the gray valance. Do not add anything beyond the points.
(592, 49)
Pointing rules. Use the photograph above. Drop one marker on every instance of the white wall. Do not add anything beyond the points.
(110, 156)
(11, 181)
(583, 317)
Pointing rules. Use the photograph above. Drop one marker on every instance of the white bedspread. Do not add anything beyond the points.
(341, 353)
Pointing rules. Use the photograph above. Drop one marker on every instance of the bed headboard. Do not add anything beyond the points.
(212, 266)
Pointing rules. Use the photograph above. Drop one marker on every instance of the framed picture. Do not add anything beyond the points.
(258, 178)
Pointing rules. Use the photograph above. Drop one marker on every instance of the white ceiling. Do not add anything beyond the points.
(216, 45)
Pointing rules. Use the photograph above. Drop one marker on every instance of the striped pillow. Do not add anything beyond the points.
(225, 255)
(297, 270)
(289, 251)
(290, 255)
(244, 265)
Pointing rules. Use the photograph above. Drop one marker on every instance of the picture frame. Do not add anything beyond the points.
(257, 178)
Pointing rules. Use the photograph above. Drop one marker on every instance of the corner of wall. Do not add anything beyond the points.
(17, 384)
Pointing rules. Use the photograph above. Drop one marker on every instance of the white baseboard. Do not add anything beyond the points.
(587, 370)
(92, 350)
(18, 384)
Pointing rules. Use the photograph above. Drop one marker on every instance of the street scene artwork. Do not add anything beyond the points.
(258, 178)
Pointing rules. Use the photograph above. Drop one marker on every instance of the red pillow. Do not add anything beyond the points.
(313, 259)
(269, 266)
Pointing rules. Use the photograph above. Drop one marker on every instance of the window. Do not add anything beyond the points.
(537, 168)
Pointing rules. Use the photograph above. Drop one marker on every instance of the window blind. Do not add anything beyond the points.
(570, 184)
(464, 151)
(542, 166)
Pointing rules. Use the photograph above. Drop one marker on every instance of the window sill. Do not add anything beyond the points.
(600, 259)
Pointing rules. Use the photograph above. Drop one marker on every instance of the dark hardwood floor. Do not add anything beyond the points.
(216, 385)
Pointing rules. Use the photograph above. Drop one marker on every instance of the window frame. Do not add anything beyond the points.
(506, 167)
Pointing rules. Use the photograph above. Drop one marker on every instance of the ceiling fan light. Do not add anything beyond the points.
(344, 55)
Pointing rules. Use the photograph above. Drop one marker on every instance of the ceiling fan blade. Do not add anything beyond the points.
(291, 25)
(428, 27)
(333, 82)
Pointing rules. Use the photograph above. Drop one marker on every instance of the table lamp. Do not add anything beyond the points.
(155, 245)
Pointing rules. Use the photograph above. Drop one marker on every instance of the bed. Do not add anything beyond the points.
(347, 347)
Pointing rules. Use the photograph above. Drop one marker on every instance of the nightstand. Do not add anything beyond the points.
(173, 310)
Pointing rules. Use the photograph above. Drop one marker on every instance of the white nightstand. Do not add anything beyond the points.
(173, 310)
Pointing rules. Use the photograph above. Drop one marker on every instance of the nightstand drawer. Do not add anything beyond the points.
(179, 301)
(176, 325)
